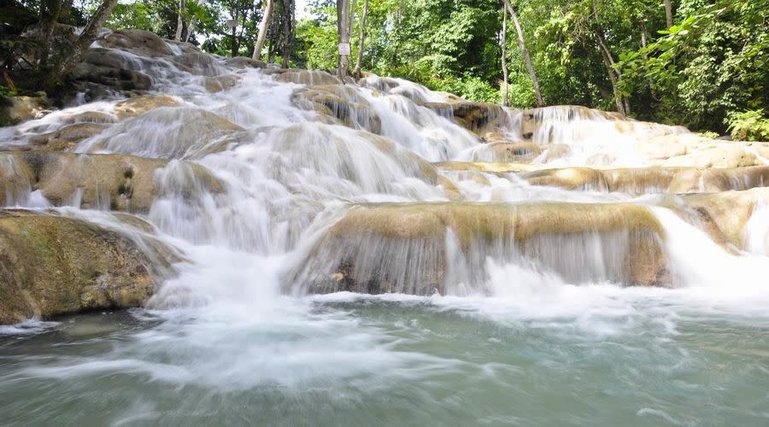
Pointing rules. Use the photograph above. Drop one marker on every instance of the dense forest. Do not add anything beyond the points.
(700, 63)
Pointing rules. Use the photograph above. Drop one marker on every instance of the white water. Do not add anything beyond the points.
(510, 332)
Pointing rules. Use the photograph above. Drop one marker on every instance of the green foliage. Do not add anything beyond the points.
(446, 45)
(606, 54)
(521, 90)
(475, 89)
(134, 15)
(6, 91)
(316, 40)
(749, 125)
(712, 62)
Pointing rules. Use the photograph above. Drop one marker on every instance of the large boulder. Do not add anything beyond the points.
(428, 247)
(138, 42)
(52, 265)
(104, 72)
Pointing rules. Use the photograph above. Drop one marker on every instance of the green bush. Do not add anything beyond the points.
(748, 125)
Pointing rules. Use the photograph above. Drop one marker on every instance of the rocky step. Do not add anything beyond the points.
(52, 265)
(724, 216)
(435, 247)
(624, 180)
(96, 181)
(422, 248)
(652, 179)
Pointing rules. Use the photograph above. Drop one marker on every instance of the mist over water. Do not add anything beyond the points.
(547, 334)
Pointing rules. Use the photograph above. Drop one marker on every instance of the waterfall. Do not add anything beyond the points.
(380, 185)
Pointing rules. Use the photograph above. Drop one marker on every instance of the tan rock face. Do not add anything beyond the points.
(418, 248)
(490, 167)
(17, 109)
(220, 83)
(114, 182)
(139, 42)
(66, 137)
(110, 70)
(341, 103)
(723, 215)
(707, 154)
(652, 179)
(51, 265)
(307, 77)
(478, 117)
(167, 132)
(139, 105)
(514, 152)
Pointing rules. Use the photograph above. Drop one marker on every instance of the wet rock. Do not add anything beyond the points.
(66, 137)
(111, 79)
(427, 247)
(475, 116)
(52, 265)
(138, 42)
(107, 58)
(340, 102)
(90, 117)
(220, 83)
(724, 216)
(514, 152)
(449, 188)
(490, 167)
(725, 155)
(198, 63)
(307, 77)
(17, 109)
(188, 132)
(141, 104)
(109, 181)
(16, 178)
(651, 179)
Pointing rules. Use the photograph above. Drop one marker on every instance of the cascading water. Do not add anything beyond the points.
(507, 287)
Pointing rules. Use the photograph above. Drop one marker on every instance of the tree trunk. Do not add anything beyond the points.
(87, 36)
(49, 15)
(263, 30)
(525, 52)
(611, 72)
(343, 21)
(361, 40)
(288, 31)
(179, 22)
(190, 27)
(623, 104)
(505, 100)
(235, 45)
(668, 13)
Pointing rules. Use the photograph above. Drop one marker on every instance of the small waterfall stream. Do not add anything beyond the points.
(377, 252)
